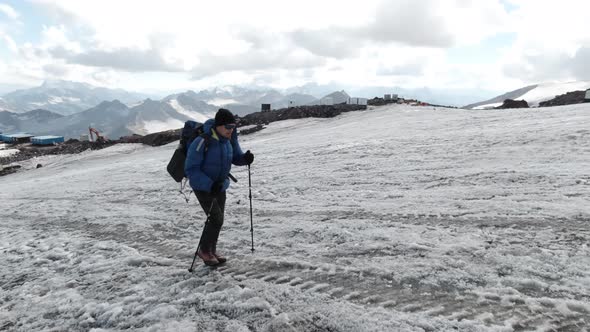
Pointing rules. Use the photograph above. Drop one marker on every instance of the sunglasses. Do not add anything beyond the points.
(229, 126)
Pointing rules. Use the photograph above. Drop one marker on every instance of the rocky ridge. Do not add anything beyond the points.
(573, 97)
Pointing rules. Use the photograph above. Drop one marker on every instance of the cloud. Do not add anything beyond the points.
(10, 27)
(365, 41)
(580, 64)
(405, 22)
(331, 42)
(421, 23)
(410, 69)
(551, 66)
(539, 67)
(9, 11)
(105, 77)
(409, 22)
(57, 43)
(9, 42)
(254, 60)
(126, 59)
(552, 41)
(56, 69)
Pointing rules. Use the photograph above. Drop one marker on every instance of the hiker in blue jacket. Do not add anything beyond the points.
(207, 166)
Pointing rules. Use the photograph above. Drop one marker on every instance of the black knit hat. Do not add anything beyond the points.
(224, 117)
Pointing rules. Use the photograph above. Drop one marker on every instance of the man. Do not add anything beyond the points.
(207, 166)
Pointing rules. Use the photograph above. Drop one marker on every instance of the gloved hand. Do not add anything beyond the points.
(216, 188)
(249, 157)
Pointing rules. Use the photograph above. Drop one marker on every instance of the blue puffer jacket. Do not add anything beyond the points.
(204, 168)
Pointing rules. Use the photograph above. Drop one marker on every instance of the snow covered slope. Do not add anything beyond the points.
(549, 91)
(534, 94)
(392, 219)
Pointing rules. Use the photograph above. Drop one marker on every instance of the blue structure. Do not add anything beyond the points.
(47, 140)
(17, 138)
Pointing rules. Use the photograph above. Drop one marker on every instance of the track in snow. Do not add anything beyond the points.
(526, 308)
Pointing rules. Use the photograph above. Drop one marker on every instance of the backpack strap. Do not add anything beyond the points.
(205, 141)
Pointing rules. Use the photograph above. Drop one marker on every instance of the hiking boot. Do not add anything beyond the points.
(217, 255)
(207, 258)
(220, 258)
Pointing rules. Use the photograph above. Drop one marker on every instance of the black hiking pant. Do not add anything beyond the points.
(213, 227)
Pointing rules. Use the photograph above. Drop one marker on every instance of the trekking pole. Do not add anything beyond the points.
(203, 233)
(251, 223)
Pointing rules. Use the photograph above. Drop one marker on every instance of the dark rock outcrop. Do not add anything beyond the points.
(381, 101)
(573, 97)
(155, 139)
(509, 103)
(299, 112)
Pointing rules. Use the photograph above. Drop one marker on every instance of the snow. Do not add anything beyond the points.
(157, 126)
(138, 103)
(8, 152)
(59, 99)
(487, 106)
(394, 219)
(221, 101)
(192, 115)
(55, 100)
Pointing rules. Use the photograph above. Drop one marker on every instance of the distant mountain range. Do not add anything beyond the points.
(64, 97)
(17, 122)
(69, 108)
(533, 94)
(244, 101)
(112, 118)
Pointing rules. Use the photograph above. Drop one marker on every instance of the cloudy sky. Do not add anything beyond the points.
(140, 45)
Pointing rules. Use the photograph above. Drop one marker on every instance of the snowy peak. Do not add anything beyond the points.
(114, 107)
(169, 113)
(111, 104)
(240, 100)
